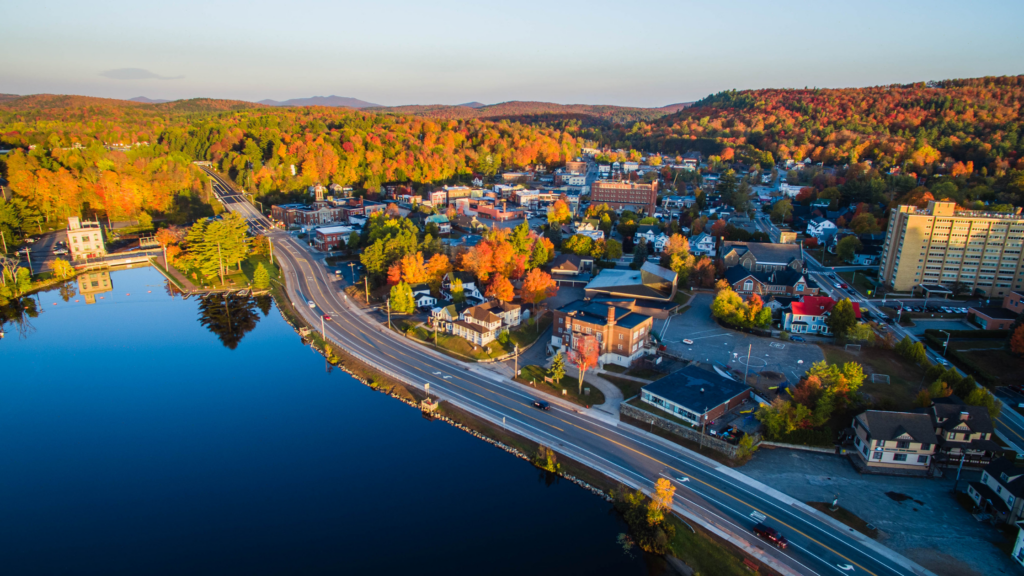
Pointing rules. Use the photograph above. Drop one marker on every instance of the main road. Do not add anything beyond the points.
(722, 500)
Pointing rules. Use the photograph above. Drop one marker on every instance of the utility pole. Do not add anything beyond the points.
(352, 269)
(517, 362)
(435, 332)
(389, 313)
(4, 240)
(323, 331)
(958, 469)
(946, 345)
(366, 283)
(747, 368)
(271, 242)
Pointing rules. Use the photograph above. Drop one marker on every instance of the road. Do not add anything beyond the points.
(719, 498)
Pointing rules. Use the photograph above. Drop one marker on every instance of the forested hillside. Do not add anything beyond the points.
(921, 127)
(542, 112)
(124, 158)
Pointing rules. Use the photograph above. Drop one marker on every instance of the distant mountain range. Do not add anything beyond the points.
(473, 105)
(145, 100)
(336, 101)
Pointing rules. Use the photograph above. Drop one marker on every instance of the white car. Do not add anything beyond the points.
(312, 304)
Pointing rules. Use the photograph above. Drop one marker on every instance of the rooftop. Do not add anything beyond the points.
(696, 389)
(994, 313)
(818, 305)
(894, 425)
(596, 313)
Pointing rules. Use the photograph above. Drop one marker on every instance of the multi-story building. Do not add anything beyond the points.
(93, 282)
(965, 433)
(1001, 491)
(85, 239)
(940, 245)
(476, 325)
(620, 194)
(894, 440)
(623, 335)
(576, 167)
(786, 282)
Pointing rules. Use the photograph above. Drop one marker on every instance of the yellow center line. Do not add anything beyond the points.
(616, 442)
(1000, 420)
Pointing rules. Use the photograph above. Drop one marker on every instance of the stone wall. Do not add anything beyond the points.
(678, 429)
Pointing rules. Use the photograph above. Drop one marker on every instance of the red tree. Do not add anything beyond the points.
(538, 286)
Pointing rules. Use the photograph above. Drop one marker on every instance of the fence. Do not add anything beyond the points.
(684, 431)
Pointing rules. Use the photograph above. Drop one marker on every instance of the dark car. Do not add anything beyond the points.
(541, 404)
(772, 535)
(797, 338)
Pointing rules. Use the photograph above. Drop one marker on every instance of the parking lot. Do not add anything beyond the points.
(714, 344)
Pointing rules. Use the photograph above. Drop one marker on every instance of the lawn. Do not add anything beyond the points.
(455, 344)
(525, 335)
(704, 553)
(905, 379)
(629, 388)
(682, 297)
(233, 278)
(534, 376)
(251, 263)
(860, 283)
(987, 360)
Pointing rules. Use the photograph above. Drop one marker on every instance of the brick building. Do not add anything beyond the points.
(619, 194)
(624, 336)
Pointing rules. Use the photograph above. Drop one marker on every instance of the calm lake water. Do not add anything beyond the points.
(135, 440)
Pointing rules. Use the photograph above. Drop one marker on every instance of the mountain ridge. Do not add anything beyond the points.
(332, 101)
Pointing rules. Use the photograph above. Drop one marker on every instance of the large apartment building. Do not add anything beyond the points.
(942, 245)
(618, 194)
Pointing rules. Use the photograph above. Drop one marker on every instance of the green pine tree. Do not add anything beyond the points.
(261, 278)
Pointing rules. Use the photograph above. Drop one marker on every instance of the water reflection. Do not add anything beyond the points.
(92, 283)
(16, 314)
(229, 316)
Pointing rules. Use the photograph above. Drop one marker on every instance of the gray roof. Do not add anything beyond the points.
(892, 425)
(597, 314)
(696, 389)
(649, 281)
(766, 252)
(1014, 475)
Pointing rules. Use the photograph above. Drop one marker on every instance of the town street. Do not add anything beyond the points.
(726, 502)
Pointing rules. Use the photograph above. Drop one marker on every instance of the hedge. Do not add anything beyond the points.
(967, 333)
(808, 437)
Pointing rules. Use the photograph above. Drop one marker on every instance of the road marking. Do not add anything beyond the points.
(846, 567)
(758, 517)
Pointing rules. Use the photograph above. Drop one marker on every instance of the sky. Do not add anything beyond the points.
(394, 52)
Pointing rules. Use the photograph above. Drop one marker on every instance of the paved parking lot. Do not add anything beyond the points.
(917, 517)
(922, 324)
(714, 344)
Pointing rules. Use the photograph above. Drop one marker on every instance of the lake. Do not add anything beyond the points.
(147, 434)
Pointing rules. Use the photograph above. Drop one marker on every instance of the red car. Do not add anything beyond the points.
(772, 535)
(327, 318)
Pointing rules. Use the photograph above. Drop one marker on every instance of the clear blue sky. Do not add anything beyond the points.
(450, 51)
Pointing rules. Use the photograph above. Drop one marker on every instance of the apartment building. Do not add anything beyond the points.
(85, 239)
(942, 245)
(620, 194)
(624, 335)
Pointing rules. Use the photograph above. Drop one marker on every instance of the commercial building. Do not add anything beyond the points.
(942, 245)
(993, 318)
(576, 167)
(85, 239)
(894, 441)
(650, 282)
(330, 238)
(695, 395)
(623, 335)
(620, 195)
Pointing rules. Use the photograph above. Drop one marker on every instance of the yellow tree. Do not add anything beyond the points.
(62, 268)
(661, 500)
(677, 244)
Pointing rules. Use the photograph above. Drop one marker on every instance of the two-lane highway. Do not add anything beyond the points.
(718, 498)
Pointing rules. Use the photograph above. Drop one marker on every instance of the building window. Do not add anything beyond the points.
(748, 286)
(903, 444)
(899, 457)
(878, 455)
(922, 459)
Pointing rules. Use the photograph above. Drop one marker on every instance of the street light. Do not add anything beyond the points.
(946, 345)
(899, 311)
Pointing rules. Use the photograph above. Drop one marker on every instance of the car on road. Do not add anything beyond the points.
(687, 341)
(541, 404)
(797, 339)
(60, 251)
(844, 285)
(312, 304)
(30, 240)
(772, 535)
(838, 285)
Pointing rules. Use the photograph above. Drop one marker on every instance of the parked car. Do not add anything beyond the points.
(541, 404)
(772, 535)
(797, 339)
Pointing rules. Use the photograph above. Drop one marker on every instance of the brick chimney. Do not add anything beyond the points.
(611, 316)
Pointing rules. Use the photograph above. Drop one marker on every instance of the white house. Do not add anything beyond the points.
(469, 289)
(821, 228)
(630, 166)
(421, 295)
(652, 235)
(703, 244)
(790, 190)
(594, 235)
(808, 316)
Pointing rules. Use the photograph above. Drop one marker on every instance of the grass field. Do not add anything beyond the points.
(988, 360)
(905, 379)
(629, 388)
(861, 283)
(534, 376)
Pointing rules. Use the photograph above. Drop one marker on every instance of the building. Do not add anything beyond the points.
(332, 238)
(821, 228)
(965, 433)
(809, 315)
(992, 318)
(85, 239)
(511, 314)
(1000, 491)
(93, 282)
(758, 256)
(1018, 547)
(703, 244)
(421, 295)
(942, 245)
(469, 289)
(570, 265)
(894, 441)
(619, 195)
(651, 234)
(576, 167)
(476, 325)
(786, 282)
(695, 395)
(441, 221)
(623, 335)
(317, 214)
(650, 282)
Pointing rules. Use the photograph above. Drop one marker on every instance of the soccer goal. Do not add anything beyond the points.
(880, 378)
(853, 347)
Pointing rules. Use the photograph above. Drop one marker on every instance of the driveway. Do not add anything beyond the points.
(714, 344)
(917, 517)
